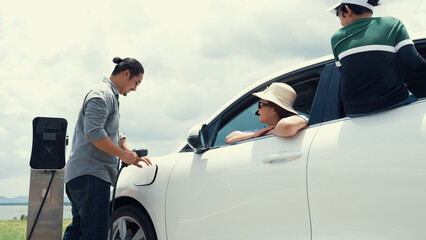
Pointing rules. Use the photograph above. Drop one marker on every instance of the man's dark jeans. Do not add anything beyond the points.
(89, 198)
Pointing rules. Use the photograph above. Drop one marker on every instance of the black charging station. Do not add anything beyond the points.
(49, 141)
(47, 162)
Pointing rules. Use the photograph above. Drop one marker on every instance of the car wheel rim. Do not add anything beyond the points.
(126, 228)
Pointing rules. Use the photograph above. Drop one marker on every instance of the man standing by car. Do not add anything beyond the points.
(368, 52)
(97, 142)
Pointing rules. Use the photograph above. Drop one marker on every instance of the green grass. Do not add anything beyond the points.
(17, 229)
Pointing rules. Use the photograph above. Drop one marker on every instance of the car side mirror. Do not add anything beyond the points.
(198, 137)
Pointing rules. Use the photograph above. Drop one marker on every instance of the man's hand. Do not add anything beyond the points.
(124, 153)
(129, 157)
(142, 159)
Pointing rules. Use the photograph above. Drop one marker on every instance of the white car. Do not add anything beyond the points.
(339, 178)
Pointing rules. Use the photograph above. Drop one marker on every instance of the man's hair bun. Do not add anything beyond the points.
(117, 60)
(131, 64)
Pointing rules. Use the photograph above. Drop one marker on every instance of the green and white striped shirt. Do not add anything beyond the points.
(367, 53)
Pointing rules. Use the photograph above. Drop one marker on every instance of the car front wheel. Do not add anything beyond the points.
(131, 223)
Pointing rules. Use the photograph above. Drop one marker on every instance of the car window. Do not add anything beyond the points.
(240, 116)
(245, 121)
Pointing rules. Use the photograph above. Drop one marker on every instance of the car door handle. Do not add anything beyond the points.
(283, 156)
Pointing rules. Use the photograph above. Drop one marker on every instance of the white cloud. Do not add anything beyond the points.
(20, 185)
(3, 133)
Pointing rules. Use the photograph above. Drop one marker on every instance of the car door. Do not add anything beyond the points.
(251, 190)
(367, 178)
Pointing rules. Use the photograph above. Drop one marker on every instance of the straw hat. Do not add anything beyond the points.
(281, 94)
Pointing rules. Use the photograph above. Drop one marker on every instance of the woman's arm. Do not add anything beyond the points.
(238, 136)
(289, 126)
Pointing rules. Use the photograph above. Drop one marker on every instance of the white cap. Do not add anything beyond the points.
(363, 3)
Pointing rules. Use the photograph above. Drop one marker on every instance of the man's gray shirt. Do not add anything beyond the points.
(98, 118)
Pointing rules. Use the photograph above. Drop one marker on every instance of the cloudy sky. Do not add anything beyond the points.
(196, 54)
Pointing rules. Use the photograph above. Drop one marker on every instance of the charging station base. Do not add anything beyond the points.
(49, 223)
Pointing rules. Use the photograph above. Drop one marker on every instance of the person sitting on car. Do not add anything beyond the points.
(367, 51)
(275, 109)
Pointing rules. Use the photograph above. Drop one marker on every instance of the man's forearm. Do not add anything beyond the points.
(126, 155)
(124, 145)
(109, 147)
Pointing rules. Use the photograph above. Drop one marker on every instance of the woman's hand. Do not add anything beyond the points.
(263, 132)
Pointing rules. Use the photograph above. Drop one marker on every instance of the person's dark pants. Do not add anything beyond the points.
(410, 99)
(89, 198)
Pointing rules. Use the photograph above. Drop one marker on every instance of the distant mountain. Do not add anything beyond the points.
(22, 200)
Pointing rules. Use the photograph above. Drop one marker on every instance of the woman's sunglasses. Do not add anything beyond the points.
(261, 104)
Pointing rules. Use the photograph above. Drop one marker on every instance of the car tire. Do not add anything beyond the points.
(130, 222)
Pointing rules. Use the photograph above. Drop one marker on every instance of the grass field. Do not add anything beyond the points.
(17, 229)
